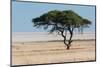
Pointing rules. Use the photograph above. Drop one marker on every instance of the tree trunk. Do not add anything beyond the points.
(68, 47)
(65, 40)
(70, 40)
(68, 44)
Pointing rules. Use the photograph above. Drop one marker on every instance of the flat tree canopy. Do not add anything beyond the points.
(61, 22)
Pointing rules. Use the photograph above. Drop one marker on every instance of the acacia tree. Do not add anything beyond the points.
(61, 22)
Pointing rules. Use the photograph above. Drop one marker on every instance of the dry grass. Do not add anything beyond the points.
(51, 52)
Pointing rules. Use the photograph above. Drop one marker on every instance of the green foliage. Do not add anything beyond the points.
(60, 20)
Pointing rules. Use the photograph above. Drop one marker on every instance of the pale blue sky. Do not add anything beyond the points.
(24, 12)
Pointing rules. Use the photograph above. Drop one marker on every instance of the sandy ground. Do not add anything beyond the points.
(24, 53)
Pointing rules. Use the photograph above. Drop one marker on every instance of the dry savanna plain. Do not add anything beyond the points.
(44, 52)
